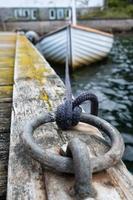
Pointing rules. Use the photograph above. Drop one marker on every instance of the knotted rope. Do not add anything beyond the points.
(68, 113)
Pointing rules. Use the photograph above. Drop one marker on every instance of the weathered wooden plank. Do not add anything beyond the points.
(7, 52)
(37, 89)
(31, 76)
(4, 108)
(5, 121)
(4, 150)
(5, 124)
(10, 58)
(6, 40)
(6, 93)
(6, 76)
(7, 46)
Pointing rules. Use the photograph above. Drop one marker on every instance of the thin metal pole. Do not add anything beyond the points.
(74, 20)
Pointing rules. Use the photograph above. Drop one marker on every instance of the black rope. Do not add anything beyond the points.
(68, 113)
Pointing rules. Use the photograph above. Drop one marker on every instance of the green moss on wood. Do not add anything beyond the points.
(29, 63)
(44, 97)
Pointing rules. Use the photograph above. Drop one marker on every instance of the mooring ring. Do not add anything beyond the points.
(65, 164)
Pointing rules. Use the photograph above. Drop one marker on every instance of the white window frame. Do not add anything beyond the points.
(18, 13)
(69, 15)
(50, 12)
(28, 11)
(62, 11)
(32, 14)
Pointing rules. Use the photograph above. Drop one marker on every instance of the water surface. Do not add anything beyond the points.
(112, 82)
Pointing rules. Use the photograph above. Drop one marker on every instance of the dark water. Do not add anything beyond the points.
(112, 82)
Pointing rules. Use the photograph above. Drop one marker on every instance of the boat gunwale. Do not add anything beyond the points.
(52, 33)
(87, 29)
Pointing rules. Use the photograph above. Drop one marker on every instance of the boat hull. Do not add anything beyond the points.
(86, 46)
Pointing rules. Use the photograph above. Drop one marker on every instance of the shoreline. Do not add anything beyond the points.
(42, 27)
(110, 25)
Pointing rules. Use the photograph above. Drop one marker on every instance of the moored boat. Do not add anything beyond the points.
(86, 45)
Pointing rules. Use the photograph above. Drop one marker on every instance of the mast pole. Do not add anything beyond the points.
(74, 20)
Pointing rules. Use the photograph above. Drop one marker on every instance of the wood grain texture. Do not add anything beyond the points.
(37, 89)
(5, 119)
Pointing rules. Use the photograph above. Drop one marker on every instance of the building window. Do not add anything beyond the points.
(34, 14)
(18, 13)
(60, 13)
(52, 14)
(26, 13)
(67, 13)
(21, 13)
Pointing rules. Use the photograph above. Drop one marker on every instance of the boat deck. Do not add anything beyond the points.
(36, 90)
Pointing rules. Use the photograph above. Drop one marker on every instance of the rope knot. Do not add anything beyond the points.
(67, 115)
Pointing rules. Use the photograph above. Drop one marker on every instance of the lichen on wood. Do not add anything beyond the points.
(30, 64)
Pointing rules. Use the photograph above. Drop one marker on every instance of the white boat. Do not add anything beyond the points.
(87, 45)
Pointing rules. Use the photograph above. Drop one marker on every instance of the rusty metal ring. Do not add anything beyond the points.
(65, 164)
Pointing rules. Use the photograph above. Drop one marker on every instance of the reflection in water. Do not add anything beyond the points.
(112, 82)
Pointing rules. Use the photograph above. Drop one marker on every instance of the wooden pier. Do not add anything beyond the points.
(7, 57)
(37, 89)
